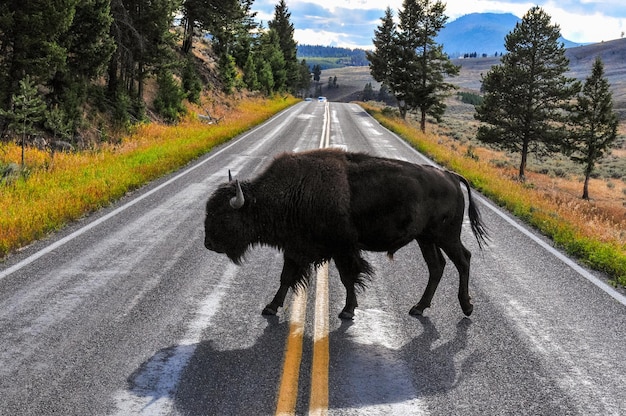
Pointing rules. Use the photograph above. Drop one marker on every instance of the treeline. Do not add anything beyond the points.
(483, 55)
(68, 64)
(349, 57)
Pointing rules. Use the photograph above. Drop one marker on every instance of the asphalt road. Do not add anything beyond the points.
(127, 313)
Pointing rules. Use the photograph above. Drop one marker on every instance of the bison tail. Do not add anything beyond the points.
(476, 222)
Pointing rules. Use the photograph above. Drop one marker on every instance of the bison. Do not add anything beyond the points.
(330, 204)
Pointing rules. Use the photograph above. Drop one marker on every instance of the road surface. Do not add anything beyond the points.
(125, 312)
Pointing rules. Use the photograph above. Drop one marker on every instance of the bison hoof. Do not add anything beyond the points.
(468, 310)
(417, 310)
(346, 315)
(269, 310)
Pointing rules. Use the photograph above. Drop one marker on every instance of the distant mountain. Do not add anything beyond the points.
(480, 34)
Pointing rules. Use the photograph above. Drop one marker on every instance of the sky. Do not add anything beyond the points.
(351, 23)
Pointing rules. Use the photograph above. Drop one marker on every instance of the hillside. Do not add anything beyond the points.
(613, 54)
(352, 80)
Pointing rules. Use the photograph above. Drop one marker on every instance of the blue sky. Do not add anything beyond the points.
(351, 23)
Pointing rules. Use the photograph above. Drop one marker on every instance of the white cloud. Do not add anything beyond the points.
(585, 28)
(327, 38)
(326, 22)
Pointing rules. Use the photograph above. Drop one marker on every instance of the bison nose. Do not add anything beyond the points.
(212, 246)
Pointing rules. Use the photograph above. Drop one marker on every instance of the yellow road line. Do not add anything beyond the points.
(318, 403)
(288, 391)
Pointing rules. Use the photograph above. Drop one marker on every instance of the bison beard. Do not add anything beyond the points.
(330, 204)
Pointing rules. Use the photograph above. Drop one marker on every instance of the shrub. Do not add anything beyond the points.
(169, 100)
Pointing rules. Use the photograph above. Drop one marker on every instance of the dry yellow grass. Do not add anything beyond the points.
(55, 190)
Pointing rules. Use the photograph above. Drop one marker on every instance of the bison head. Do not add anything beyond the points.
(227, 226)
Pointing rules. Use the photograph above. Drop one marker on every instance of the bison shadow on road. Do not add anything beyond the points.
(380, 375)
(215, 380)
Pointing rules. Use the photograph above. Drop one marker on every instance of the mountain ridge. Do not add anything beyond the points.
(480, 34)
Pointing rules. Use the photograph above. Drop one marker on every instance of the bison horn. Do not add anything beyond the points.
(237, 201)
(230, 177)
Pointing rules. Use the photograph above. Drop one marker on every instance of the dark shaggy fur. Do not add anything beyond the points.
(329, 204)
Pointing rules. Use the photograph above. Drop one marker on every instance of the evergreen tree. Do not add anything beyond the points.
(383, 57)
(27, 109)
(228, 71)
(288, 46)
(56, 120)
(245, 27)
(410, 61)
(168, 101)
(527, 96)
(304, 79)
(89, 48)
(29, 42)
(250, 77)
(224, 20)
(368, 92)
(317, 73)
(595, 122)
(265, 77)
(191, 82)
(269, 53)
(383, 93)
(144, 44)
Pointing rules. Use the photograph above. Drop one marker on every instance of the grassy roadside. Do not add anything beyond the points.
(597, 240)
(62, 188)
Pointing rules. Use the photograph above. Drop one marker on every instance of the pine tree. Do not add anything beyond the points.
(304, 79)
(368, 92)
(595, 123)
(269, 53)
(317, 72)
(169, 98)
(382, 59)
(408, 59)
(288, 46)
(89, 47)
(29, 42)
(228, 71)
(250, 77)
(27, 110)
(527, 96)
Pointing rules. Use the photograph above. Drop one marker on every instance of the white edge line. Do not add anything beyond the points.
(571, 263)
(84, 229)
(568, 261)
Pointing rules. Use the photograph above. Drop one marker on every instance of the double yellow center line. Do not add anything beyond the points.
(288, 390)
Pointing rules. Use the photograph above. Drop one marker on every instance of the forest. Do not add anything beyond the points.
(345, 56)
(73, 71)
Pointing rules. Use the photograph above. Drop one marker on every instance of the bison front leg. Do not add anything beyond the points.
(436, 263)
(291, 276)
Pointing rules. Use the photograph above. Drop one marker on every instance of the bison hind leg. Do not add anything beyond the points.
(353, 270)
(417, 310)
(436, 263)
